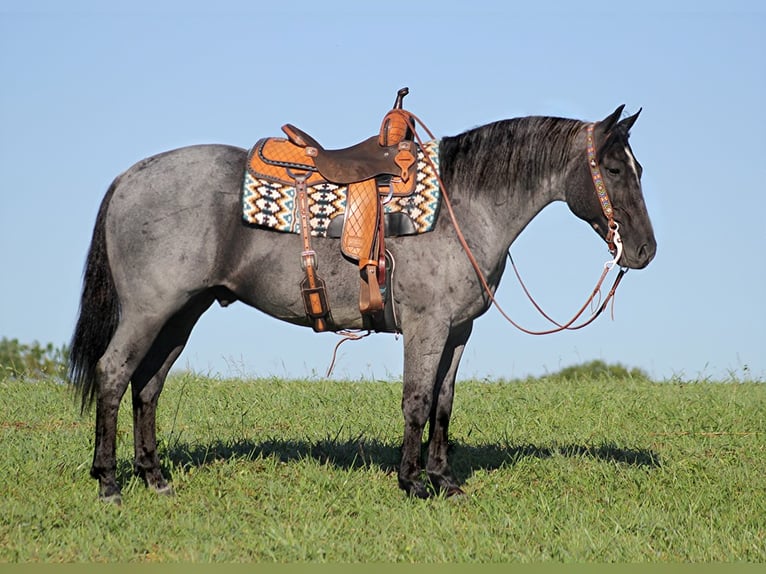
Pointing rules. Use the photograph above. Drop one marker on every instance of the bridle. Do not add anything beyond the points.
(613, 240)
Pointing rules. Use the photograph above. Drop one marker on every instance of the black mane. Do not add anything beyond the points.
(489, 158)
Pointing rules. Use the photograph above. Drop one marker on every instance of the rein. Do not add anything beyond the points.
(613, 240)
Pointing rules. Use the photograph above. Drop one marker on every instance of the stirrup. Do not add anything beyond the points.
(370, 299)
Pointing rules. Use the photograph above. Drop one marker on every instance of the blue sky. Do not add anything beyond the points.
(89, 88)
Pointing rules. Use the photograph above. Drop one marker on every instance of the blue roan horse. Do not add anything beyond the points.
(169, 241)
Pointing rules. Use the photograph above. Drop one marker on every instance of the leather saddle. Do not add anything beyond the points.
(384, 161)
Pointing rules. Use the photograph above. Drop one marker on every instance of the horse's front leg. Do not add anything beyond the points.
(424, 347)
(437, 466)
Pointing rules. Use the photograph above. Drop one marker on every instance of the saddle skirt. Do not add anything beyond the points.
(269, 197)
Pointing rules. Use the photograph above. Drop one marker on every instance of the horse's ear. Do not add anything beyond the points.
(605, 126)
(628, 122)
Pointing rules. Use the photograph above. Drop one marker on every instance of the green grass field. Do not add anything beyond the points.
(611, 469)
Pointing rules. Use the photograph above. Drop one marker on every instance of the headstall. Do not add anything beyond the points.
(613, 240)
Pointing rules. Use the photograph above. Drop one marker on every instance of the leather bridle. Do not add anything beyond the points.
(613, 235)
(613, 240)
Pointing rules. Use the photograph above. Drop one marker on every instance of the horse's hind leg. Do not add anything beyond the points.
(147, 384)
(128, 346)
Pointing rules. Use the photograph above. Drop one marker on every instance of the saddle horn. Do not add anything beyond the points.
(395, 126)
(400, 97)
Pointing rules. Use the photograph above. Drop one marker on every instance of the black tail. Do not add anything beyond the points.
(99, 312)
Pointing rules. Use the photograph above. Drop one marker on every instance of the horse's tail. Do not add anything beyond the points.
(99, 312)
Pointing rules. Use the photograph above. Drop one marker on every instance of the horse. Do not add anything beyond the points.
(169, 241)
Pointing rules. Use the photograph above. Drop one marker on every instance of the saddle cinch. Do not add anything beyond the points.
(380, 166)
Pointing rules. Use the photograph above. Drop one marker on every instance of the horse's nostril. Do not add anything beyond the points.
(647, 252)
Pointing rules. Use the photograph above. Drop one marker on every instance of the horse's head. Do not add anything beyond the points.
(621, 176)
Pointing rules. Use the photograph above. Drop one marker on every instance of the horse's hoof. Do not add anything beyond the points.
(454, 491)
(165, 490)
(109, 491)
(115, 499)
(418, 490)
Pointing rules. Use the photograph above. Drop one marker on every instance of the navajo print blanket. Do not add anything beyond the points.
(272, 202)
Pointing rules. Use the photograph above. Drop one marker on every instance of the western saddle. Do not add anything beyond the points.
(366, 168)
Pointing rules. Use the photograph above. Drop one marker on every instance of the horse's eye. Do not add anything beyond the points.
(613, 170)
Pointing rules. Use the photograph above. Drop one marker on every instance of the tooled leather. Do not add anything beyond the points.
(361, 224)
(273, 156)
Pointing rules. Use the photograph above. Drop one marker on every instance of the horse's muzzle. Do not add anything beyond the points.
(641, 257)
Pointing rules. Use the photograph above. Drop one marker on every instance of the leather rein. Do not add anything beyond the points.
(613, 240)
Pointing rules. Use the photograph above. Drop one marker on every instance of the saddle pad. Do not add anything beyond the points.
(269, 197)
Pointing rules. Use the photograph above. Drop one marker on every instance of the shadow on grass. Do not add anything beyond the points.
(361, 452)
(466, 459)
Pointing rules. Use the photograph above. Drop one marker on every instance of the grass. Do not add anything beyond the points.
(607, 469)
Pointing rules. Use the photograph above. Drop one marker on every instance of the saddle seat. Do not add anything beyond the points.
(359, 162)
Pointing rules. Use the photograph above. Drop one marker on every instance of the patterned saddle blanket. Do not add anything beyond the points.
(269, 197)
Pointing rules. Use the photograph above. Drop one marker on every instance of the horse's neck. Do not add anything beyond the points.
(502, 175)
(491, 221)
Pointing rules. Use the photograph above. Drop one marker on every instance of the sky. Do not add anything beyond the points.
(89, 88)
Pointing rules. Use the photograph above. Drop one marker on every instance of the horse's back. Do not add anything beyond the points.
(182, 174)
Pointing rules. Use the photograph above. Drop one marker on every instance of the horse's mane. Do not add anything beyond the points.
(519, 152)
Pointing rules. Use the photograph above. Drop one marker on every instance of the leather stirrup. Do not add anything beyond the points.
(370, 299)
